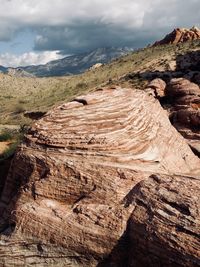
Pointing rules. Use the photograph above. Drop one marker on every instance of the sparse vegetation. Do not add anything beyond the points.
(5, 136)
(40, 94)
(11, 140)
(19, 108)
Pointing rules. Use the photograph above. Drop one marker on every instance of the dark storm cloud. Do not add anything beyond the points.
(87, 36)
(74, 26)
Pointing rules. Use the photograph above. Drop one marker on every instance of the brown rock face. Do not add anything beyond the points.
(180, 87)
(185, 110)
(179, 36)
(183, 105)
(165, 224)
(157, 88)
(66, 200)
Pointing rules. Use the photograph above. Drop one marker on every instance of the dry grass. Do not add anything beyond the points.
(4, 145)
(18, 94)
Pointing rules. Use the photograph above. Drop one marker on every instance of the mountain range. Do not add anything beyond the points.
(70, 65)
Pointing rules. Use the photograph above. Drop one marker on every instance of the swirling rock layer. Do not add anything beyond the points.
(66, 200)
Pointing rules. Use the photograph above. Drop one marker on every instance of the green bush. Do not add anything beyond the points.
(5, 136)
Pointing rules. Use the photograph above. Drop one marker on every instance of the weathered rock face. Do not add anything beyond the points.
(66, 199)
(185, 110)
(183, 105)
(181, 87)
(164, 228)
(157, 88)
(179, 36)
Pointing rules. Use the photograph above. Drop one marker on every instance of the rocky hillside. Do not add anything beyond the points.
(180, 36)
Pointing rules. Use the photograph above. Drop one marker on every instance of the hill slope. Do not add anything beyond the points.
(76, 64)
(133, 70)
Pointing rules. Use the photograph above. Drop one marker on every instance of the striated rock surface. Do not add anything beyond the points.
(157, 88)
(180, 35)
(66, 200)
(181, 98)
(164, 228)
(180, 87)
(185, 110)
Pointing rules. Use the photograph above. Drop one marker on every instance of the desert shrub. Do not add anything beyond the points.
(81, 85)
(19, 108)
(22, 101)
(5, 136)
(16, 138)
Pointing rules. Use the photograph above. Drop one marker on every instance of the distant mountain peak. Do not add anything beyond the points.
(180, 35)
(18, 72)
(76, 64)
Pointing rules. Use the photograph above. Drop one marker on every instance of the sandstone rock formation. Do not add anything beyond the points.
(179, 36)
(157, 88)
(165, 224)
(69, 193)
(181, 99)
(180, 88)
(185, 110)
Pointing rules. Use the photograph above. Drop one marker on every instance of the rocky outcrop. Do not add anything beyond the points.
(180, 35)
(181, 98)
(180, 88)
(69, 193)
(185, 110)
(96, 66)
(18, 72)
(157, 88)
(186, 102)
(164, 227)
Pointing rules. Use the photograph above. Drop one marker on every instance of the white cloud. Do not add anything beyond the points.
(30, 58)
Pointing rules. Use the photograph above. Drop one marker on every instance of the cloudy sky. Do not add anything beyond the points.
(36, 31)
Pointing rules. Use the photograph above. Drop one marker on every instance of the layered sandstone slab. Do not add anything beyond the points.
(66, 198)
(165, 225)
